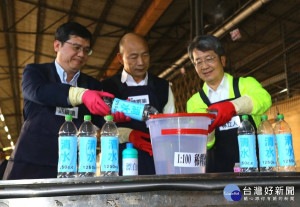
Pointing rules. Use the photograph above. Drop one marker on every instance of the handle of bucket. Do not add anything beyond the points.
(183, 131)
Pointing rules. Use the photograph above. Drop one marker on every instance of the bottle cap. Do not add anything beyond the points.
(264, 117)
(245, 117)
(109, 117)
(237, 167)
(129, 145)
(129, 152)
(87, 117)
(68, 117)
(280, 116)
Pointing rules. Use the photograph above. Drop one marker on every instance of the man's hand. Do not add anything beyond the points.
(226, 111)
(138, 139)
(93, 101)
(120, 117)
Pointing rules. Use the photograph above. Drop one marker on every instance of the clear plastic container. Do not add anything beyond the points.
(87, 143)
(109, 148)
(286, 157)
(179, 142)
(137, 111)
(67, 149)
(267, 146)
(247, 146)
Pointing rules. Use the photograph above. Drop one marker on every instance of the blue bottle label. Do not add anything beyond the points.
(285, 149)
(67, 148)
(87, 154)
(247, 151)
(131, 109)
(109, 154)
(267, 150)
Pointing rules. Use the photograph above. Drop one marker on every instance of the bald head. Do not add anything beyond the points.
(131, 38)
(134, 56)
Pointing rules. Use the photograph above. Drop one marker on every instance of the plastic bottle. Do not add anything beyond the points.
(267, 148)
(247, 146)
(87, 143)
(137, 111)
(236, 167)
(285, 149)
(130, 160)
(109, 148)
(67, 149)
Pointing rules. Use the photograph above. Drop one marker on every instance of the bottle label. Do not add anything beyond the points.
(87, 154)
(131, 109)
(67, 148)
(247, 151)
(130, 166)
(109, 154)
(186, 159)
(285, 149)
(267, 150)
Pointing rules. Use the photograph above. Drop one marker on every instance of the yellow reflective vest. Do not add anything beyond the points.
(247, 86)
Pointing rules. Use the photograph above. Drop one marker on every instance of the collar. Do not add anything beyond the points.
(63, 75)
(223, 85)
(128, 79)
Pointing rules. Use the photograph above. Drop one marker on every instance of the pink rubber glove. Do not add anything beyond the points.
(93, 101)
(225, 110)
(120, 117)
(136, 137)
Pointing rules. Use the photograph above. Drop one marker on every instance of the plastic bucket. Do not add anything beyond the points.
(179, 142)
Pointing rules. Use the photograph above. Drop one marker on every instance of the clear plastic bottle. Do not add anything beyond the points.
(130, 160)
(137, 111)
(109, 148)
(285, 148)
(87, 143)
(267, 147)
(67, 149)
(236, 167)
(247, 146)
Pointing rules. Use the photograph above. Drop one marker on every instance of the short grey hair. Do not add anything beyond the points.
(206, 43)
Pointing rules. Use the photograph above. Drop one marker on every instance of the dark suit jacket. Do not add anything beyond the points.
(43, 92)
(2, 168)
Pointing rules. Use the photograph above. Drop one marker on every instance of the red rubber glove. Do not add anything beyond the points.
(93, 101)
(136, 137)
(120, 117)
(225, 110)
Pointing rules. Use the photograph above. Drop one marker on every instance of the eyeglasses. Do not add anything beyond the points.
(78, 48)
(208, 60)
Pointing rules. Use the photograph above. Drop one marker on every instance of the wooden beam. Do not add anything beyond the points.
(150, 17)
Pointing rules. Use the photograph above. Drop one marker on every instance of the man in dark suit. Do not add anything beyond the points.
(51, 91)
(136, 84)
(3, 163)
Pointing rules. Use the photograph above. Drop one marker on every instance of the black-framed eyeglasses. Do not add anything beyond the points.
(208, 60)
(78, 48)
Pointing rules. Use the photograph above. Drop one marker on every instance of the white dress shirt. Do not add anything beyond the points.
(63, 75)
(169, 107)
(222, 92)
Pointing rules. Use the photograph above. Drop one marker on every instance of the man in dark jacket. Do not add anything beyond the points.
(136, 84)
(3, 163)
(51, 91)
